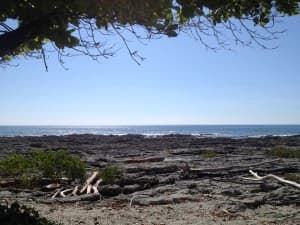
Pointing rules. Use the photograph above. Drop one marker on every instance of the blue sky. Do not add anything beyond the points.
(180, 83)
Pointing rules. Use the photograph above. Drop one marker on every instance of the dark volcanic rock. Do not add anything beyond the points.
(152, 166)
(232, 193)
(128, 189)
(284, 196)
(134, 145)
(147, 181)
(153, 169)
(110, 190)
(168, 179)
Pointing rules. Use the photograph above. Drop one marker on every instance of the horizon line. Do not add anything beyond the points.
(122, 125)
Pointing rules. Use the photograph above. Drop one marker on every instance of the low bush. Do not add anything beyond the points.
(19, 167)
(109, 174)
(208, 154)
(21, 215)
(293, 177)
(15, 165)
(42, 164)
(58, 164)
(284, 152)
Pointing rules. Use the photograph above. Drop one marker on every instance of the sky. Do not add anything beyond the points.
(180, 82)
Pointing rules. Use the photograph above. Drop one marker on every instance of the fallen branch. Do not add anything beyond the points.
(97, 183)
(52, 186)
(57, 192)
(95, 190)
(89, 181)
(89, 188)
(63, 193)
(74, 192)
(207, 170)
(69, 199)
(281, 180)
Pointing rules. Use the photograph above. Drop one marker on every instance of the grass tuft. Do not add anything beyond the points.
(208, 154)
(284, 152)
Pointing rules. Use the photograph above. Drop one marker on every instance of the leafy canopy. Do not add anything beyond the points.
(81, 25)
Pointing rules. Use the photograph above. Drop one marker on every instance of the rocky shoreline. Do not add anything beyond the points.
(171, 177)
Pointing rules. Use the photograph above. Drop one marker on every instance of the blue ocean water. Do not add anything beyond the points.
(200, 130)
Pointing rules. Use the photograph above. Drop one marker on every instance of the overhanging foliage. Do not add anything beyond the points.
(81, 25)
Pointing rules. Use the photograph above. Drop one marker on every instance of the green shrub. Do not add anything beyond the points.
(284, 152)
(21, 215)
(15, 165)
(56, 164)
(109, 174)
(208, 154)
(18, 166)
(47, 164)
(293, 177)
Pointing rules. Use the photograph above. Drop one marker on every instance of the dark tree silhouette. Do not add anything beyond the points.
(79, 27)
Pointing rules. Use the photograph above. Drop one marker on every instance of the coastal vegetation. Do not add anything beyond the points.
(284, 152)
(208, 154)
(109, 174)
(58, 164)
(293, 177)
(52, 165)
(15, 214)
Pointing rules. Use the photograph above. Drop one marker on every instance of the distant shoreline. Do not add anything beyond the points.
(230, 131)
(204, 136)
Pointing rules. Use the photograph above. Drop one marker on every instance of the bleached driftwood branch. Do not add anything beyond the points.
(74, 192)
(72, 199)
(64, 192)
(280, 179)
(88, 188)
(97, 183)
(57, 193)
(89, 181)
(95, 186)
(95, 190)
(246, 166)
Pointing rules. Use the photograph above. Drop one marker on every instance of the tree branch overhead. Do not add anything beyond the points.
(81, 27)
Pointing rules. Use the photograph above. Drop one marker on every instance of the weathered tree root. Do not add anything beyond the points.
(281, 180)
(87, 189)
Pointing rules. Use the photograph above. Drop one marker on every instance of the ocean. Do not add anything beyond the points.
(234, 131)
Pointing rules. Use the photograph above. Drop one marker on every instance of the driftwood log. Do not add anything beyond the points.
(88, 189)
(237, 167)
(280, 179)
(72, 199)
(57, 193)
(63, 193)
(74, 192)
(241, 169)
(89, 181)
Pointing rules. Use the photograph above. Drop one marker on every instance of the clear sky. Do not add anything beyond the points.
(179, 83)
